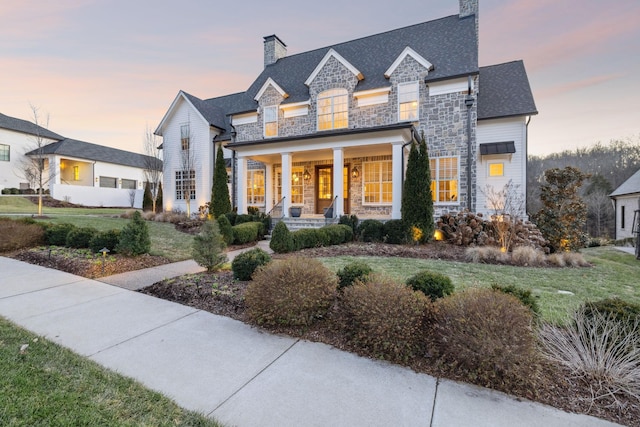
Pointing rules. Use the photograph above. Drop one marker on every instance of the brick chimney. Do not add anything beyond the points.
(468, 8)
(274, 49)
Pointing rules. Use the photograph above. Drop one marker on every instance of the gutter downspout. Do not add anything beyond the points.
(468, 101)
(413, 139)
(234, 178)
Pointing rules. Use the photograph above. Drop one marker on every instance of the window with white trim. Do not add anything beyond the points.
(108, 182)
(297, 185)
(185, 133)
(5, 152)
(333, 109)
(495, 169)
(129, 184)
(377, 183)
(445, 176)
(270, 121)
(408, 94)
(255, 187)
(186, 185)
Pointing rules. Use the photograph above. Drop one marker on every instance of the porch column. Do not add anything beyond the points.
(338, 183)
(241, 170)
(398, 180)
(286, 183)
(268, 187)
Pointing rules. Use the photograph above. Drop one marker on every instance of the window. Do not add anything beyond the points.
(377, 182)
(185, 133)
(5, 152)
(408, 101)
(108, 182)
(270, 121)
(186, 185)
(333, 109)
(621, 216)
(496, 169)
(297, 185)
(129, 184)
(76, 173)
(255, 187)
(444, 179)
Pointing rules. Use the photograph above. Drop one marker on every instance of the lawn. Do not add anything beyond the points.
(50, 385)
(614, 274)
(22, 205)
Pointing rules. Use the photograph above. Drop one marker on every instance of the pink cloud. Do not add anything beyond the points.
(576, 85)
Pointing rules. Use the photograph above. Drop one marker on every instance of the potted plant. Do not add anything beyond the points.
(295, 211)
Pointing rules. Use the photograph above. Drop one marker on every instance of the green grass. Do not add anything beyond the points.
(22, 205)
(614, 274)
(50, 385)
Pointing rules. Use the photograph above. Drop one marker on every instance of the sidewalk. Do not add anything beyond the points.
(240, 375)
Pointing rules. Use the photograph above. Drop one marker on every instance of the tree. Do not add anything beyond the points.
(33, 166)
(508, 205)
(209, 246)
(417, 203)
(601, 216)
(187, 166)
(220, 200)
(147, 198)
(152, 166)
(563, 215)
(134, 237)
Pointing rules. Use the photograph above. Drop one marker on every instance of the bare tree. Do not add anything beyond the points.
(187, 163)
(152, 164)
(508, 205)
(132, 197)
(33, 166)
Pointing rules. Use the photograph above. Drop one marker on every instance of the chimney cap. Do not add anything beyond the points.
(273, 36)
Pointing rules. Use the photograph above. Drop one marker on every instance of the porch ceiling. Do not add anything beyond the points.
(327, 153)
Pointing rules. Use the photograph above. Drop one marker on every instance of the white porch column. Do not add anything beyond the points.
(338, 181)
(268, 187)
(398, 181)
(241, 170)
(286, 183)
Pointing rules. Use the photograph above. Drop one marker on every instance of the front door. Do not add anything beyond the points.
(324, 188)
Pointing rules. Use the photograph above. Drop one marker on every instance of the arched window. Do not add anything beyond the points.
(333, 109)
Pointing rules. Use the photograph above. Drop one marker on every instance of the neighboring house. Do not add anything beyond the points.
(626, 201)
(338, 121)
(81, 172)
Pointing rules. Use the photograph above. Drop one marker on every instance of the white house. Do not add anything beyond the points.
(337, 123)
(626, 203)
(81, 172)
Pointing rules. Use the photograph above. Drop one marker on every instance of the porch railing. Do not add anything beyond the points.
(329, 212)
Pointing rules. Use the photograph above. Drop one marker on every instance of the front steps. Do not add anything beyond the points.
(294, 224)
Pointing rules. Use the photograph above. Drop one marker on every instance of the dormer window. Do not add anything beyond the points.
(270, 121)
(408, 101)
(333, 109)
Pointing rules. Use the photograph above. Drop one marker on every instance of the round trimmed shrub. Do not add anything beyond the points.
(434, 285)
(246, 263)
(395, 232)
(385, 317)
(56, 235)
(281, 239)
(524, 295)
(80, 237)
(291, 292)
(310, 238)
(246, 232)
(355, 270)
(226, 229)
(370, 230)
(105, 239)
(615, 308)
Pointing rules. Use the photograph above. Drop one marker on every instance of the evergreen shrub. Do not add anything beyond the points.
(370, 230)
(524, 295)
(134, 237)
(56, 235)
(246, 232)
(246, 263)
(355, 270)
(395, 232)
(80, 237)
(432, 284)
(105, 239)
(226, 229)
(209, 246)
(281, 239)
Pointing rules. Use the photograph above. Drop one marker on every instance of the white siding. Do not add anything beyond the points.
(630, 204)
(515, 165)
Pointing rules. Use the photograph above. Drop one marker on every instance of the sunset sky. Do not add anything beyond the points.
(105, 69)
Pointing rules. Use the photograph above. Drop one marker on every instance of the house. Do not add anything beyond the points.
(626, 203)
(338, 122)
(76, 171)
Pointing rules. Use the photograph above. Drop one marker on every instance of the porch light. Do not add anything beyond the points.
(355, 172)
(306, 175)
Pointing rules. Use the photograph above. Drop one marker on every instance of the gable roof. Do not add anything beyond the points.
(630, 186)
(100, 153)
(504, 91)
(24, 126)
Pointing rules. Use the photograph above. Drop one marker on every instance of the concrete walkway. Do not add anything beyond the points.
(238, 374)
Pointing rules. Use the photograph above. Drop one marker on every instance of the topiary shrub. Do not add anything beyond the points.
(347, 232)
(56, 235)
(209, 246)
(385, 317)
(355, 270)
(291, 292)
(281, 239)
(134, 237)
(242, 218)
(431, 284)
(487, 337)
(246, 232)
(394, 232)
(309, 238)
(246, 263)
(523, 295)
(226, 229)
(370, 230)
(19, 234)
(105, 239)
(80, 237)
(351, 221)
(231, 216)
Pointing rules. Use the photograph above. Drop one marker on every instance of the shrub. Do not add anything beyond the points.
(385, 317)
(147, 198)
(524, 295)
(487, 336)
(134, 237)
(355, 270)
(347, 231)
(247, 262)
(431, 284)
(351, 221)
(209, 246)
(557, 259)
(616, 308)
(226, 229)
(231, 216)
(309, 238)
(19, 234)
(394, 232)
(527, 256)
(80, 237)
(281, 239)
(57, 234)
(105, 239)
(488, 254)
(574, 259)
(246, 232)
(335, 233)
(291, 292)
(370, 230)
(242, 218)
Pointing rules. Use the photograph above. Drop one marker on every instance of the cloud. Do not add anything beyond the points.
(575, 86)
